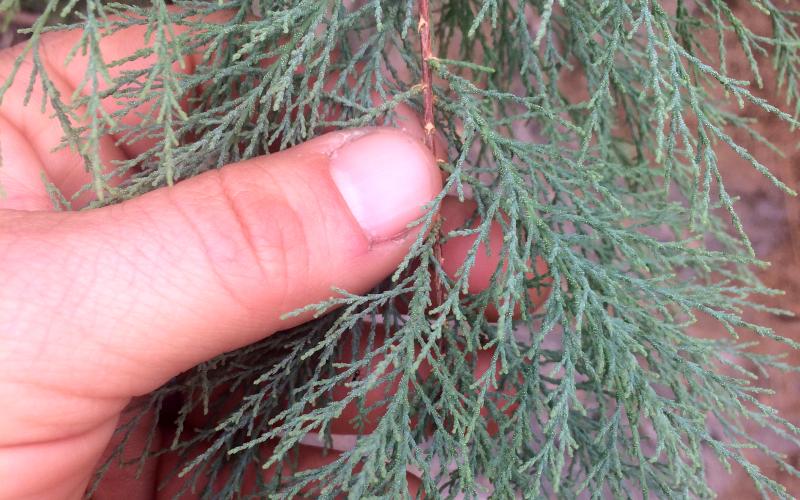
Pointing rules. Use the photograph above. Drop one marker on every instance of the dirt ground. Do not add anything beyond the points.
(772, 219)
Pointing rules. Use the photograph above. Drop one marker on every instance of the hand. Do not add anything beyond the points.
(100, 306)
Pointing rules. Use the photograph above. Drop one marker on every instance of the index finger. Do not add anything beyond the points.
(33, 118)
(129, 54)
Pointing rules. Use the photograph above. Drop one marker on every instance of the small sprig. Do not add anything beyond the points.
(611, 180)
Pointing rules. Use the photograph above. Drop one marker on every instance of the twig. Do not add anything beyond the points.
(424, 29)
(427, 80)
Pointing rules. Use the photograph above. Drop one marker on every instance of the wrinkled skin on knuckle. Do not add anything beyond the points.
(257, 247)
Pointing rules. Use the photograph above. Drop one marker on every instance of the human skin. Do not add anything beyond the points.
(100, 306)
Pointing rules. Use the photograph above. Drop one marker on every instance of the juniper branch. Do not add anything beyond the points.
(613, 182)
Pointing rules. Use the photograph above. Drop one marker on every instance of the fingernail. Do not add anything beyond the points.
(385, 177)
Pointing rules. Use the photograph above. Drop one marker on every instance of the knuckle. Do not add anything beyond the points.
(264, 243)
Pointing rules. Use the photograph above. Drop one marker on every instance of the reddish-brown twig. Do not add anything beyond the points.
(427, 79)
(424, 29)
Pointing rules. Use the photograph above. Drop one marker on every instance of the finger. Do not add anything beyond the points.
(69, 71)
(362, 414)
(42, 133)
(29, 145)
(365, 356)
(146, 289)
(487, 262)
(500, 401)
(455, 250)
(21, 172)
(127, 474)
(39, 134)
(65, 478)
(302, 458)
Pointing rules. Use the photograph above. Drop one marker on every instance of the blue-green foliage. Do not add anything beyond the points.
(587, 129)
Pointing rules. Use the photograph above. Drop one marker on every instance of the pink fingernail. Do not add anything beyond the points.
(386, 177)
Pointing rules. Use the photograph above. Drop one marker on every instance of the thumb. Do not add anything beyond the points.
(155, 285)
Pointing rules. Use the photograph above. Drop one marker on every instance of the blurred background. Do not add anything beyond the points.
(772, 219)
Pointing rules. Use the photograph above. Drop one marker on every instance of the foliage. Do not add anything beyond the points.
(588, 129)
